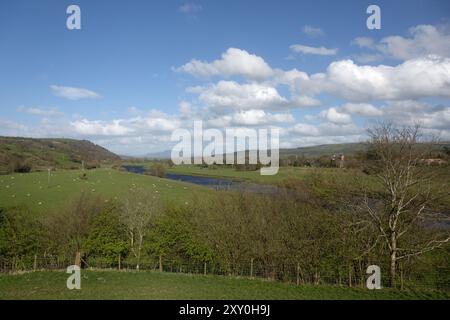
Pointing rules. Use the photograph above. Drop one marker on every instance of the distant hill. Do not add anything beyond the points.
(313, 151)
(308, 152)
(325, 149)
(159, 155)
(21, 154)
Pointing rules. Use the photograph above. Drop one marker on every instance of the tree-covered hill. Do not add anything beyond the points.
(28, 154)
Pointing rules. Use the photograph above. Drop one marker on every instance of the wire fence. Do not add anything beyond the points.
(353, 276)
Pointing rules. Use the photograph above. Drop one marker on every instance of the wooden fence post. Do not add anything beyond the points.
(251, 268)
(160, 263)
(298, 273)
(120, 263)
(204, 269)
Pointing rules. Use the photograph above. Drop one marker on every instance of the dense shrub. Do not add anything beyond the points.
(19, 234)
(157, 170)
(106, 237)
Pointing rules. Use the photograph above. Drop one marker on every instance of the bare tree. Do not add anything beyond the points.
(407, 192)
(140, 210)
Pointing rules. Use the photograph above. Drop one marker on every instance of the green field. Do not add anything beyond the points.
(33, 190)
(252, 176)
(325, 180)
(353, 180)
(155, 285)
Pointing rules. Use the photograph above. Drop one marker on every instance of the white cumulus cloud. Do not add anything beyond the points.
(259, 117)
(334, 116)
(230, 95)
(423, 40)
(364, 109)
(417, 78)
(100, 128)
(234, 62)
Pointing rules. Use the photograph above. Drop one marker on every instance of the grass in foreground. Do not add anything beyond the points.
(160, 286)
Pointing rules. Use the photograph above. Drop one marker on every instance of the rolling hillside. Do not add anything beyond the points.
(308, 152)
(315, 151)
(325, 149)
(25, 154)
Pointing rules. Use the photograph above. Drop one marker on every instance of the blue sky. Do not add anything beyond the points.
(139, 69)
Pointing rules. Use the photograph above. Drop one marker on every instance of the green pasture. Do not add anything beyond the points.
(155, 285)
(36, 192)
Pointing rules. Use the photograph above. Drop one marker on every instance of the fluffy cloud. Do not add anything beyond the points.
(322, 51)
(343, 78)
(154, 122)
(159, 122)
(423, 40)
(100, 128)
(230, 95)
(410, 112)
(252, 117)
(304, 134)
(305, 129)
(185, 109)
(364, 109)
(334, 116)
(72, 93)
(413, 79)
(219, 121)
(260, 117)
(234, 62)
(305, 101)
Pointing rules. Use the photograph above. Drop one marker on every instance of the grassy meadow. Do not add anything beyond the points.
(34, 191)
(284, 173)
(326, 181)
(159, 286)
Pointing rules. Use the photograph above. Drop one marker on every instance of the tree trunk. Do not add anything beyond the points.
(141, 240)
(78, 259)
(393, 258)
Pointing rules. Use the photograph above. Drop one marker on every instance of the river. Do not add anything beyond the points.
(212, 182)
